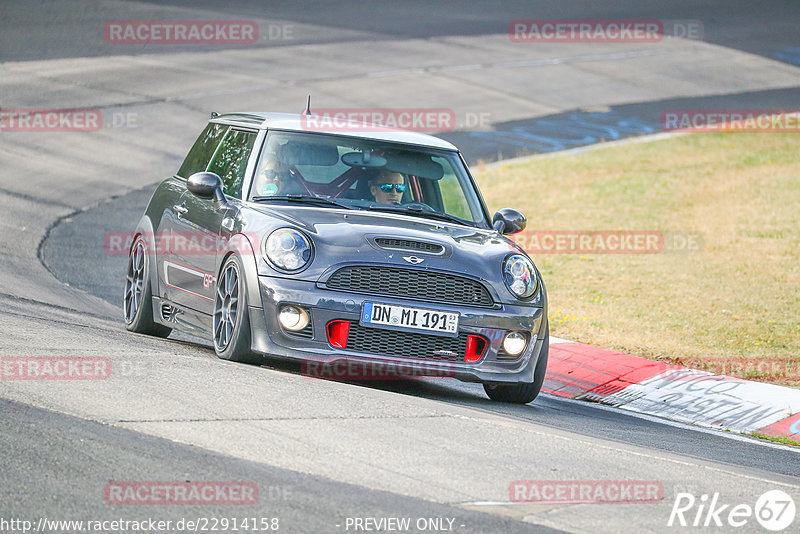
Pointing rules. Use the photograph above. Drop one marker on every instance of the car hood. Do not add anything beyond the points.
(347, 237)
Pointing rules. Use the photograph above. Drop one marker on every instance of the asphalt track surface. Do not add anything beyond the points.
(434, 448)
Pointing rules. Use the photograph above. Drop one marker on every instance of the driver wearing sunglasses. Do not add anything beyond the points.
(387, 188)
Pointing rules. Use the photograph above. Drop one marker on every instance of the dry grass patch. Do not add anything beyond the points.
(732, 307)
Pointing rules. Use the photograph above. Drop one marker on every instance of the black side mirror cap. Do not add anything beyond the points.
(509, 221)
(208, 186)
(205, 185)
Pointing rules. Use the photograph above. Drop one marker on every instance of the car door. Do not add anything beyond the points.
(198, 226)
(172, 209)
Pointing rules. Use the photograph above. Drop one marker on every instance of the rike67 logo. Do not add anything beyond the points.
(774, 510)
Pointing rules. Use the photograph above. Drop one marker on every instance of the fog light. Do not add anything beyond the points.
(514, 343)
(293, 318)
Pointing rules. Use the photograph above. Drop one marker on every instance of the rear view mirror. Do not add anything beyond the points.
(363, 159)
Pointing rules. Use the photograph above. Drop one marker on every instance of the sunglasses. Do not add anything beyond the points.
(387, 188)
(272, 175)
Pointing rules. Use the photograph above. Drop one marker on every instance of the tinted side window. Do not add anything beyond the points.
(453, 199)
(230, 161)
(202, 151)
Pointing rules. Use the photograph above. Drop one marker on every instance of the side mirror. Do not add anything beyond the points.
(205, 185)
(509, 221)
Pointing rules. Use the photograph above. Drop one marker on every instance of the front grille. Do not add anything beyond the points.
(423, 285)
(405, 344)
(408, 244)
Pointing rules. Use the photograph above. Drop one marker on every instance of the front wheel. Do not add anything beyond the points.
(231, 316)
(523, 392)
(138, 298)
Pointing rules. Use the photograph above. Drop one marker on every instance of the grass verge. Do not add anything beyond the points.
(730, 304)
(777, 439)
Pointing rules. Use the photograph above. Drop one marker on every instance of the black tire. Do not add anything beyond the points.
(137, 300)
(523, 392)
(231, 336)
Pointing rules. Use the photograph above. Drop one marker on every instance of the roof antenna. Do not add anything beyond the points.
(307, 111)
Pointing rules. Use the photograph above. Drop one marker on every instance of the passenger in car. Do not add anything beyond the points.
(387, 187)
(276, 178)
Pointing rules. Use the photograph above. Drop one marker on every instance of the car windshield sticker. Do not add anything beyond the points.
(269, 189)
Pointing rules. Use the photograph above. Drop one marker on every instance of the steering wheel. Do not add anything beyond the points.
(301, 180)
(420, 206)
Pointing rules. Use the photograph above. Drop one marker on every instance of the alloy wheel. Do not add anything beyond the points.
(226, 306)
(134, 283)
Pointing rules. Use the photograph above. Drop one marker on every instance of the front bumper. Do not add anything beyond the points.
(329, 305)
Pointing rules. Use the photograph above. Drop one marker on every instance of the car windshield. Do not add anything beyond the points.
(366, 174)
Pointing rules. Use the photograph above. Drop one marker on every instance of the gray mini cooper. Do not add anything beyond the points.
(361, 252)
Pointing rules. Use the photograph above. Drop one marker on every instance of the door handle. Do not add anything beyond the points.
(180, 209)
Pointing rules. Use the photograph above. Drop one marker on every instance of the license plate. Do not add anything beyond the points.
(409, 318)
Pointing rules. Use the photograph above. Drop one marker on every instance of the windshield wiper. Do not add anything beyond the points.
(304, 199)
(411, 210)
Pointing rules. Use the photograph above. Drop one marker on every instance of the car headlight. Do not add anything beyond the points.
(520, 277)
(288, 249)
